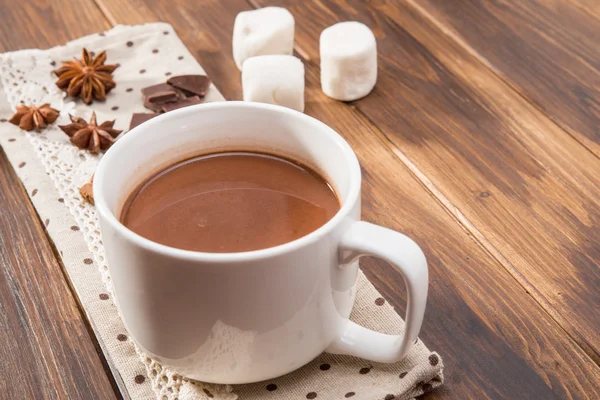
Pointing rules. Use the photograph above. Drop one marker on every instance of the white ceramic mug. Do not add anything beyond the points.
(251, 316)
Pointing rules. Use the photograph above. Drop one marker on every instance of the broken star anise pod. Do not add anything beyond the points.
(88, 78)
(91, 136)
(86, 191)
(28, 118)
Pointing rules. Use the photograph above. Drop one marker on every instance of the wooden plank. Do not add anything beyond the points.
(47, 348)
(524, 188)
(495, 340)
(548, 50)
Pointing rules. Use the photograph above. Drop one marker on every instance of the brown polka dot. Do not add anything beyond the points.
(166, 32)
(364, 370)
(103, 296)
(142, 71)
(46, 222)
(271, 387)
(129, 44)
(74, 228)
(416, 340)
(434, 360)
(3, 120)
(154, 51)
(139, 379)
(61, 253)
(389, 397)
(121, 337)
(12, 140)
(208, 393)
(88, 261)
(61, 200)
(101, 34)
(349, 394)
(402, 375)
(311, 395)
(21, 165)
(427, 388)
(324, 367)
(92, 53)
(129, 90)
(379, 301)
(484, 194)
(53, 63)
(167, 74)
(33, 192)
(114, 108)
(180, 58)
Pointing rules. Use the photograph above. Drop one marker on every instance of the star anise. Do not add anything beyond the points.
(90, 135)
(31, 117)
(87, 78)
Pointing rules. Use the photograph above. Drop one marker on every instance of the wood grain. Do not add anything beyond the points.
(478, 317)
(548, 50)
(591, 7)
(47, 23)
(47, 348)
(523, 187)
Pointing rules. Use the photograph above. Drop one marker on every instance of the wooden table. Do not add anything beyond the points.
(481, 141)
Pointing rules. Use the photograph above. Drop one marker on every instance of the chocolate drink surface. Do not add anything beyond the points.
(230, 202)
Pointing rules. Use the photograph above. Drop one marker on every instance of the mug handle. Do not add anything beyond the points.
(364, 238)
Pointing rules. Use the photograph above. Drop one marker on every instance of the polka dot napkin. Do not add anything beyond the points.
(52, 170)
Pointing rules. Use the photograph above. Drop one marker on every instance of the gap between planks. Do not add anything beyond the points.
(477, 236)
(480, 239)
(482, 60)
(107, 14)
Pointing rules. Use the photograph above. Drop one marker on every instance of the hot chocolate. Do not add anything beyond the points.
(230, 202)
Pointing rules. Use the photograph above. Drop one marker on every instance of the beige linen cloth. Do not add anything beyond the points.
(52, 170)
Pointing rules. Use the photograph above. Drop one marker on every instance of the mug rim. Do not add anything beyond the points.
(173, 252)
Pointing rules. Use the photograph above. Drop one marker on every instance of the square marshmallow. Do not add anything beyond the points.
(274, 79)
(265, 31)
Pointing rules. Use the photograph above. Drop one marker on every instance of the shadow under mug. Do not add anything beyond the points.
(250, 316)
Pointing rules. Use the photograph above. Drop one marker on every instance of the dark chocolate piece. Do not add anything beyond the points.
(157, 95)
(163, 97)
(191, 85)
(153, 106)
(161, 87)
(190, 101)
(138, 118)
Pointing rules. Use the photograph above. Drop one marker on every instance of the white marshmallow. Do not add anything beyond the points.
(274, 79)
(268, 30)
(348, 61)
